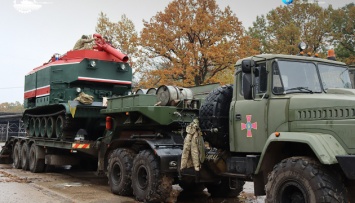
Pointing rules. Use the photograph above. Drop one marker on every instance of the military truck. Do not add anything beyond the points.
(286, 124)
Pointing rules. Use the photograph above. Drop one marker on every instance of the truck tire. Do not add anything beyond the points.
(24, 156)
(120, 171)
(303, 179)
(214, 114)
(36, 159)
(148, 184)
(223, 188)
(16, 155)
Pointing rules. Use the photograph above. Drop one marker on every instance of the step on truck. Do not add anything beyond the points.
(286, 124)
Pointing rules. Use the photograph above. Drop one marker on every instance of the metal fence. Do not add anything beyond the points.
(11, 128)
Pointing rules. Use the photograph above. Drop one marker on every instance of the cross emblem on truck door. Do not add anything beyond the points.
(249, 126)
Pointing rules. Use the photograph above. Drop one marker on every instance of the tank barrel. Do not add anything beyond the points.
(102, 45)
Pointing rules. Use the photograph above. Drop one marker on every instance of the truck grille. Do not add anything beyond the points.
(325, 113)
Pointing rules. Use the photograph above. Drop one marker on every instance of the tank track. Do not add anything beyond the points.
(68, 128)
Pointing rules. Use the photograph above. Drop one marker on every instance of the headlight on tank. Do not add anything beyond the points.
(122, 67)
(78, 89)
(92, 64)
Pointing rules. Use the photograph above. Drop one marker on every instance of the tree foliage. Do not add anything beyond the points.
(191, 43)
(10, 107)
(283, 28)
(343, 32)
(122, 35)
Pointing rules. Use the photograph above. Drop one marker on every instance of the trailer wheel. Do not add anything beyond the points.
(120, 170)
(36, 159)
(148, 184)
(302, 179)
(24, 156)
(214, 113)
(223, 188)
(17, 155)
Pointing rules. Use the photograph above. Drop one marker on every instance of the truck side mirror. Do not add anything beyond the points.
(247, 65)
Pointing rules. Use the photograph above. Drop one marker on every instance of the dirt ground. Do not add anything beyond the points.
(64, 185)
(67, 186)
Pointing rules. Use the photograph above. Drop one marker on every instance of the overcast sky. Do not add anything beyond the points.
(28, 40)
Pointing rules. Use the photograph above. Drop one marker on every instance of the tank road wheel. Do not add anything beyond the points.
(37, 127)
(16, 155)
(148, 183)
(36, 159)
(59, 126)
(302, 179)
(43, 127)
(31, 127)
(24, 156)
(50, 127)
(214, 113)
(120, 171)
(223, 188)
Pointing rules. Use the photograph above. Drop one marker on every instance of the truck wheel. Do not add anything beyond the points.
(223, 188)
(36, 159)
(302, 179)
(214, 113)
(24, 156)
(148, 184)
(120, 171)
(17, 155)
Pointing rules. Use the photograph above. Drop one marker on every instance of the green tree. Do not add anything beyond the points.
(121, 34)
(10, 107)
(343, 28)
(283, 28)
(192, 43)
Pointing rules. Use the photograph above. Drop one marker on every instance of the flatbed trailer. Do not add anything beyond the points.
(44, 153)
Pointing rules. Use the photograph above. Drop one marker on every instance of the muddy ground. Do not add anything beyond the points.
(63, 185)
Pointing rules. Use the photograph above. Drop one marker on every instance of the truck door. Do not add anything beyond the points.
(249, 121)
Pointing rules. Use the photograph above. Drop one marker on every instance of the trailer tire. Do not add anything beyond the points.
(120, 171)
(222, 189)
(149, 185)
(16, 155)
(303, 179)
(36, 159)
(214, 114)
(24, 156)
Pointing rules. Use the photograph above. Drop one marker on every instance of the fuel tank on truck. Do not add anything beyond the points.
(63, 97)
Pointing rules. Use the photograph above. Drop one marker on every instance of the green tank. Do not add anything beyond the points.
(63, 97)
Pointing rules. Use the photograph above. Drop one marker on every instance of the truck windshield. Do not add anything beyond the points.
(295, 77)
(334, 76)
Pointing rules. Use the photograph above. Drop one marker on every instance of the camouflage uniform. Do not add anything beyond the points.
(82, 44)
(193, 153)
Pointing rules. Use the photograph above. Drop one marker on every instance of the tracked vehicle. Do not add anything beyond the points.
(52, 111)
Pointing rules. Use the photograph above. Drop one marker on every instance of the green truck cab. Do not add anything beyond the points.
(297, 115)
